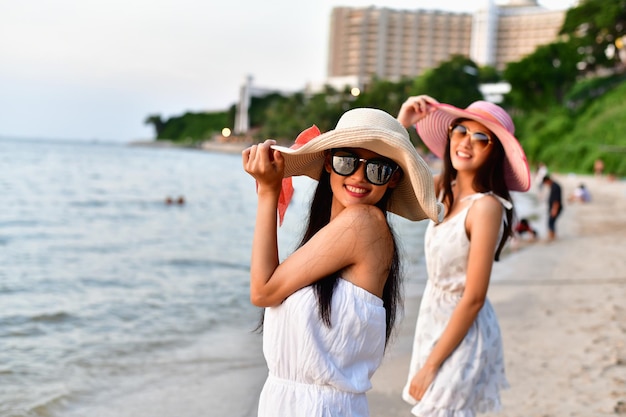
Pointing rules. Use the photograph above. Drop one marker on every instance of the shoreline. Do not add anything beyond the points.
(561, 309)
(207, 146)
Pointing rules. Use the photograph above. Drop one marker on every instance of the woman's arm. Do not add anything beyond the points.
(483, 226)
(267, 167)
(358, 236)
(554, 209)
(357, 242)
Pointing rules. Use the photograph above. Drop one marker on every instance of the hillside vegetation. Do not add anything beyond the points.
(571, 140)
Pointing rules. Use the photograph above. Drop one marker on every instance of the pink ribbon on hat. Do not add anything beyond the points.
(286, 191)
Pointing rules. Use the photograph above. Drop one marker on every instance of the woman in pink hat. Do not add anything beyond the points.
(457, 365)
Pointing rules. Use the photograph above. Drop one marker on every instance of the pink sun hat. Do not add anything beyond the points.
(433, 130)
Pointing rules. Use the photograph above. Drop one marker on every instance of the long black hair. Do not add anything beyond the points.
(319, 217)
(489, 177)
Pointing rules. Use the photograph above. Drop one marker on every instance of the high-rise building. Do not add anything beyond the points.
(391, 44)
(522, 27)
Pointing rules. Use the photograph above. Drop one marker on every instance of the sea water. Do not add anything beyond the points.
(114, 303)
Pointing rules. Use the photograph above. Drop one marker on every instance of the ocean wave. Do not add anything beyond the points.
(207, 263)
(20, 326)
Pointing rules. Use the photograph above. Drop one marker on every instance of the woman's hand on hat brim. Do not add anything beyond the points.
(415, 108)
(265, 165)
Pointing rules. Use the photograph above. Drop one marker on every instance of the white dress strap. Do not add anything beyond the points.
(505, 203)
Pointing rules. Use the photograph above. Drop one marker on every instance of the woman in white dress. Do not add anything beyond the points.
(331, 305)
(457, 365)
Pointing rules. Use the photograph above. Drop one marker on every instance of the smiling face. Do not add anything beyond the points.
(355, 187)
(467, 154)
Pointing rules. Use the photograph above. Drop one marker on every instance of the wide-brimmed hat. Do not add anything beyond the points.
(377, 131)
(433, 130)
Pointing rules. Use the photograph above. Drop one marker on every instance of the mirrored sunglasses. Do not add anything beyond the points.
(378, 171)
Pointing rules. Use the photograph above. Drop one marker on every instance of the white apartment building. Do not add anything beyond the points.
(392, 44)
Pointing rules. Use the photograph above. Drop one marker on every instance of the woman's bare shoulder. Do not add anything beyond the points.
(363, 217)
(486, 209)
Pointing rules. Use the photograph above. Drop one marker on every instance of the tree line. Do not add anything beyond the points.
(565, 98)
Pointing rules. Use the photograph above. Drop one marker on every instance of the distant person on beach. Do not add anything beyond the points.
(457, 365)
(580, 194)
(598, 167)
(555, 205)
(331, 305)
(523, 227)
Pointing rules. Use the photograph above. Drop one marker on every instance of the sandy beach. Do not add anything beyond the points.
(562, 312)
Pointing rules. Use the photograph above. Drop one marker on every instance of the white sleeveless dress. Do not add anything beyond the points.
(470, 379)
(317, 371)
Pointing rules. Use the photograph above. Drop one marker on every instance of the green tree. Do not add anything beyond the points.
(593, 27)
(384, 94)
(540, 80)
(258, 107)
(455, 82)
(192, 127)
(489, 74)
(324, 109)
(156, 122)
(570, 140)
(283, 118)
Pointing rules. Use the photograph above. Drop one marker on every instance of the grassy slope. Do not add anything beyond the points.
(570, 141)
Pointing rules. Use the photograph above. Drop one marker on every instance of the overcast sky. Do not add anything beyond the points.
(94, 69)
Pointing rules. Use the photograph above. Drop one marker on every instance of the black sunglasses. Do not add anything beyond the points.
(378, 171)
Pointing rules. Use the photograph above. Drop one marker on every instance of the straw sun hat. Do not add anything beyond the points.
(433, 130)
(377, 131)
